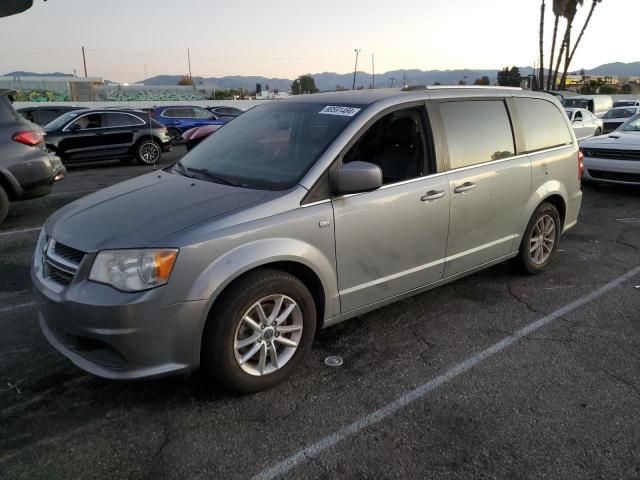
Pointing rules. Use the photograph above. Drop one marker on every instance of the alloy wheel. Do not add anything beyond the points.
(149, 152)
(543, 239)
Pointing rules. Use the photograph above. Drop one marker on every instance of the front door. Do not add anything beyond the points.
(85, 139)
(392, 240)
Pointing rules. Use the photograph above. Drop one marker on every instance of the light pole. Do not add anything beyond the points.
(355, 69)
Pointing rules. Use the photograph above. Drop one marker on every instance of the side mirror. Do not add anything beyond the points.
(356, 177)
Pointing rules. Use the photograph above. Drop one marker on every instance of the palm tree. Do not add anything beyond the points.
(541, 75)
(570, 14)
(594, 4)
(559, 7)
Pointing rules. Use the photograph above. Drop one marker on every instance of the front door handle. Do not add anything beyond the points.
(465, 187)
(432, 195)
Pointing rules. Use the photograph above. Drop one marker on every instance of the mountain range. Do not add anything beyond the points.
(331, 80)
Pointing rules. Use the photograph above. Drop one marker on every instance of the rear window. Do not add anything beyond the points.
(620, 113)
(477, 132)
(542, 124)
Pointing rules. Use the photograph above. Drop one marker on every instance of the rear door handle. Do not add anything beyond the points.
(432, 195)
(465, 187)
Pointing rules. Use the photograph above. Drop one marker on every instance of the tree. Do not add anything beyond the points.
(594, 4)
(570, 14)
(437, 83)
(461, 82)
(304, 84)
(626, 89)
(509, 77)
(482, 81)
(185, 80)
(541, 40)
(559, 7)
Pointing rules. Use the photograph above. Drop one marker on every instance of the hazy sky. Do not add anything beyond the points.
(286, 38)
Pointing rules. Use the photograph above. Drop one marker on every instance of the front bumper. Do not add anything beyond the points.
(624, 172)
(114, 334)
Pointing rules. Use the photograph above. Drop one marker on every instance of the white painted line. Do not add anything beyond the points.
(24, 230)
(16, 307)
(281, 468)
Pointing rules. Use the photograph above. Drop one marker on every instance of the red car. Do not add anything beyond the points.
(194, 136)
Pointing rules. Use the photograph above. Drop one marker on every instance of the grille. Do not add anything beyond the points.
(615, 176)
(62, 262)
(612, 154)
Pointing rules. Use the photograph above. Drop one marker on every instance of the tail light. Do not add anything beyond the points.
(580, 164)
(28, 137)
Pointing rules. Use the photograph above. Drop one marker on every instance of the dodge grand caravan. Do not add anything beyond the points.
(297, 215)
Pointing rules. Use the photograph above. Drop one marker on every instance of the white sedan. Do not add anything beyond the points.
(585, 124)
(614, 158)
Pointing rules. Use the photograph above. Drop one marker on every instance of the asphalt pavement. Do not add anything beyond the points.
(497, 375)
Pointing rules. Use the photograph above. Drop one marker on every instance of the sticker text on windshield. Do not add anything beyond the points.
(336, 110)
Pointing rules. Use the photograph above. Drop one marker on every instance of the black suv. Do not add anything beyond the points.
(107, 134)
(43, 115)
(27, 169)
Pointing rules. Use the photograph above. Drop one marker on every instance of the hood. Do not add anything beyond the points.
(613, 140)
(141, 211)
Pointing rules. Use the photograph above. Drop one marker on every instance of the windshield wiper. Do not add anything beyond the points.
(212, 176)
(183, 170)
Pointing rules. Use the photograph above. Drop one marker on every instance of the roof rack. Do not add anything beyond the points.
(420, 88)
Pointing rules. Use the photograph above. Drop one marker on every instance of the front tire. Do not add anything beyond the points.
(259, 331)
(540, 240)
(598, 132)
(4, 204)
(148, 152)
(176, 136)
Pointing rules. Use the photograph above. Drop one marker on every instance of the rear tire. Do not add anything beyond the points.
(540, 240)
(148, 152)
(4, 204)
(237, 327)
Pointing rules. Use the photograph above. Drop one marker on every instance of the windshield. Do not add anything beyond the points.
(271, 146)
(575, 103)
(62, 120)
(631, 125)
(620, 113)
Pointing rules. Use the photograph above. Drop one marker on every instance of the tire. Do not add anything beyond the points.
(148, 152)
(598, 132)
(176, 136)
(4, 204)
(228, 325)
(536, 261)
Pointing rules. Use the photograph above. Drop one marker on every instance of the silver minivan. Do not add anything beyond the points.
(299, 214)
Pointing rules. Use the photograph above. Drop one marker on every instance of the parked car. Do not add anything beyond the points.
(179, 119)
(617, 116)
(42, 115)
(225, 111)
(614, 158)
(626, 103)
(195, 136)
(27, 169)
(90, 135)
(596, 104)
(298, 215)
(585, 124)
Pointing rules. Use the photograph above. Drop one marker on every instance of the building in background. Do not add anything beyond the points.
(52, 89)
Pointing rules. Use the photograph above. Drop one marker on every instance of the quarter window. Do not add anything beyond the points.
(477, 131)
(542, 124)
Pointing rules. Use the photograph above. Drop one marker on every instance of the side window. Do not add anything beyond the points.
(94, 120)
(202, 113)
(578, 116)
(477, 131)
(169, 113)
(396, 143)
(122, 120)
(542, 124)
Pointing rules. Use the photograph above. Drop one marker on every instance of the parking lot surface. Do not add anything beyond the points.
(498, 375)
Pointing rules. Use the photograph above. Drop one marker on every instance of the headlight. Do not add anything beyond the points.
(133, 270)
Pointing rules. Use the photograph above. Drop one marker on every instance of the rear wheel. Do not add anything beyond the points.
(148, 151)
(260, 331)
(4, 204)
(540, 240)
(176, 136)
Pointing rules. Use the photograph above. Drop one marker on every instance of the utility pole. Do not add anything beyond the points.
(393, 80)
(189, 61)
(404, 79)
(84, 60)
(373, 73)
(355, 69)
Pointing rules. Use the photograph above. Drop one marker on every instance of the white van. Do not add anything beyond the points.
(596, 104)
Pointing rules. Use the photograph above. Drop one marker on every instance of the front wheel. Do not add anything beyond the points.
(259, 332)
(598, 132)
(176, 136)
(540, 240)
(148, 152)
